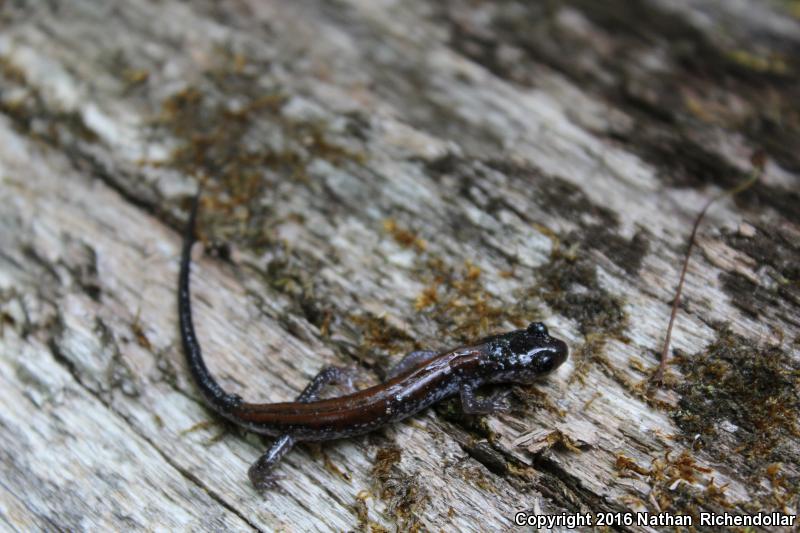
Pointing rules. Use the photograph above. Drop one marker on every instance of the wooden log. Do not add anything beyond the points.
(381, 177)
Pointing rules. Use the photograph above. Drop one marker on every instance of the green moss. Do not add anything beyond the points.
(738, 382)
(759, 63)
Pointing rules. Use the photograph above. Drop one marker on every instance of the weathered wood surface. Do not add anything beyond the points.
(385, 176)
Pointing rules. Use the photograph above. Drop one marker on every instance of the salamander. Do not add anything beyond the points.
(419, 380)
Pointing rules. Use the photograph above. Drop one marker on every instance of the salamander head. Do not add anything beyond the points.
(524, 355)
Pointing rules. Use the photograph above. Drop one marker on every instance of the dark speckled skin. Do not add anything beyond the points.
(519, 356)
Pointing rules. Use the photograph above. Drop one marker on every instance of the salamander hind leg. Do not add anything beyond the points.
(410, 361)
(330, 375)
(261, 473)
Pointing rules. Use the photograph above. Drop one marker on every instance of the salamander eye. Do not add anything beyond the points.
(546, 363)
(537, 328)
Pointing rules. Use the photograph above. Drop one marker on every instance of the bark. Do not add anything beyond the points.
(381, 177)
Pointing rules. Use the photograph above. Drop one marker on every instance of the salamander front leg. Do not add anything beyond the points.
(261, 473)
(473, 405)
(410, 361)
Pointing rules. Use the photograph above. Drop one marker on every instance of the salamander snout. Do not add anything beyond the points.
(553, 356)
(549, 351)
(528, 355)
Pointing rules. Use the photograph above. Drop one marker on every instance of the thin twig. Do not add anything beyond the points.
(758, 162)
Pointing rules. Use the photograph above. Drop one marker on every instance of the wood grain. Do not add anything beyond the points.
(381, 177)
